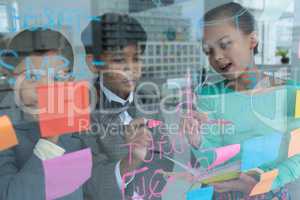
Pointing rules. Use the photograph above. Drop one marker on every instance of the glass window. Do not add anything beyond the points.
(149, 49)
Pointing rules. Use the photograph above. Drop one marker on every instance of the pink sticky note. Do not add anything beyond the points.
(65, 174)
(152, 123)
(224, 154)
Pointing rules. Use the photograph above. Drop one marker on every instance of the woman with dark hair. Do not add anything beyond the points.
(232, 28)
(247, 98)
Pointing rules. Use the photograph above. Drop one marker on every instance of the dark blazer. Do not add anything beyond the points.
(108, 150)
(21, 172)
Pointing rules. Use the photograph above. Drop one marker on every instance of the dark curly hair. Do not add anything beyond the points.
(112, 31)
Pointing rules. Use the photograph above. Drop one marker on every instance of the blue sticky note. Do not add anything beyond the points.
(201, 194)
(260, 150)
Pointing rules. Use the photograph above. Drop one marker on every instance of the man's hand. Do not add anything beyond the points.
(190, 126)
(244, 184)
(138, 134)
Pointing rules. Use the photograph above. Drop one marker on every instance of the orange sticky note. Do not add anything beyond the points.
(64, 108)
(8, 136)
(297, 106)
(265, 183)
(294, 146)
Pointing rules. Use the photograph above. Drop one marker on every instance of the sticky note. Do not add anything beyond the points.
(201, 193)
(222, 178)
(8, 136)
(221, 154)
(153, 123)
(260, 150)
(65, 174)
(64, 108)
(294, 146)
(223, 173)
(265, 183)
(297, 106)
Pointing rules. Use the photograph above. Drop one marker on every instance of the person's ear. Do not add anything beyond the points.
(253, 40)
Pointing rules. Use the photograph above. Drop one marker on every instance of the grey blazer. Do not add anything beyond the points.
(106, 139)
(21, 172)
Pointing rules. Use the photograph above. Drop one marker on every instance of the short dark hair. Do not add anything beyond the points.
(241, 17)
(39, 41)
(112, 31)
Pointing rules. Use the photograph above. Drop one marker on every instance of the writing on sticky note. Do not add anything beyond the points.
(8, 136)
(260, 150)
(67, 173)
(265, 183)
(297, 106)
(64, 108)
(294, 146)
(153, 123)
(201, 193)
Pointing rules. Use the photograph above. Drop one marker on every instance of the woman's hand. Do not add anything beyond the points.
(190, 126)
(244, 184)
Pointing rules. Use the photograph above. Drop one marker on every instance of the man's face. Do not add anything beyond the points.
(122, 70)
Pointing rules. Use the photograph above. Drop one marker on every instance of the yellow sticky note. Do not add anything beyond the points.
(297, 106)
(221, 178)
(294, 146)
(8, 136)
(265, 183)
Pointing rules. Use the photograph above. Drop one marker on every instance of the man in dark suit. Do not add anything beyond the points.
(124, 144)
